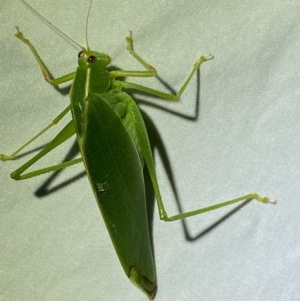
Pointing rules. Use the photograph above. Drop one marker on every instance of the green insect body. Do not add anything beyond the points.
(108, 124)
(114, 145)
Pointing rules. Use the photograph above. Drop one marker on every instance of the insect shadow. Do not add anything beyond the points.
(157, 143)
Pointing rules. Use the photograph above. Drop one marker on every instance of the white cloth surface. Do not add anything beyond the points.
(246, 139)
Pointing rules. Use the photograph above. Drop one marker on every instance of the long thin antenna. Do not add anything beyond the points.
(86, 25)
(52, 25)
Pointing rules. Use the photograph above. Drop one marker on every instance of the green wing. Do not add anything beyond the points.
(115, 170)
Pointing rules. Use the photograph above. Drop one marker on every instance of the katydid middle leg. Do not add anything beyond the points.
(4, 157)
(67, 132)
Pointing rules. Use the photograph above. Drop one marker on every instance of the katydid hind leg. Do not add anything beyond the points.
(141, 135)
(163, 213)
(147, 154)
(161, 208)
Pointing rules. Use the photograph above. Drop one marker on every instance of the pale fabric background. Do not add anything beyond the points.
(246, 139)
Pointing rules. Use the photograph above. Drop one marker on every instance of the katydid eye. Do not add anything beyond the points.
(80, 53)
(92, 59)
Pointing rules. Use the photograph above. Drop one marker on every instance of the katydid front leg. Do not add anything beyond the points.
(151, 71)
(129, 47)
(43, 67)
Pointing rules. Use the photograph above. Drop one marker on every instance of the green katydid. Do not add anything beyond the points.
(114, 148)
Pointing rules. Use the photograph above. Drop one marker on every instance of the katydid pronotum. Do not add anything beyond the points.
(114, 148)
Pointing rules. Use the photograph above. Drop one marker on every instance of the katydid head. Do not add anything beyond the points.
(93, 59)
(88, 58)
